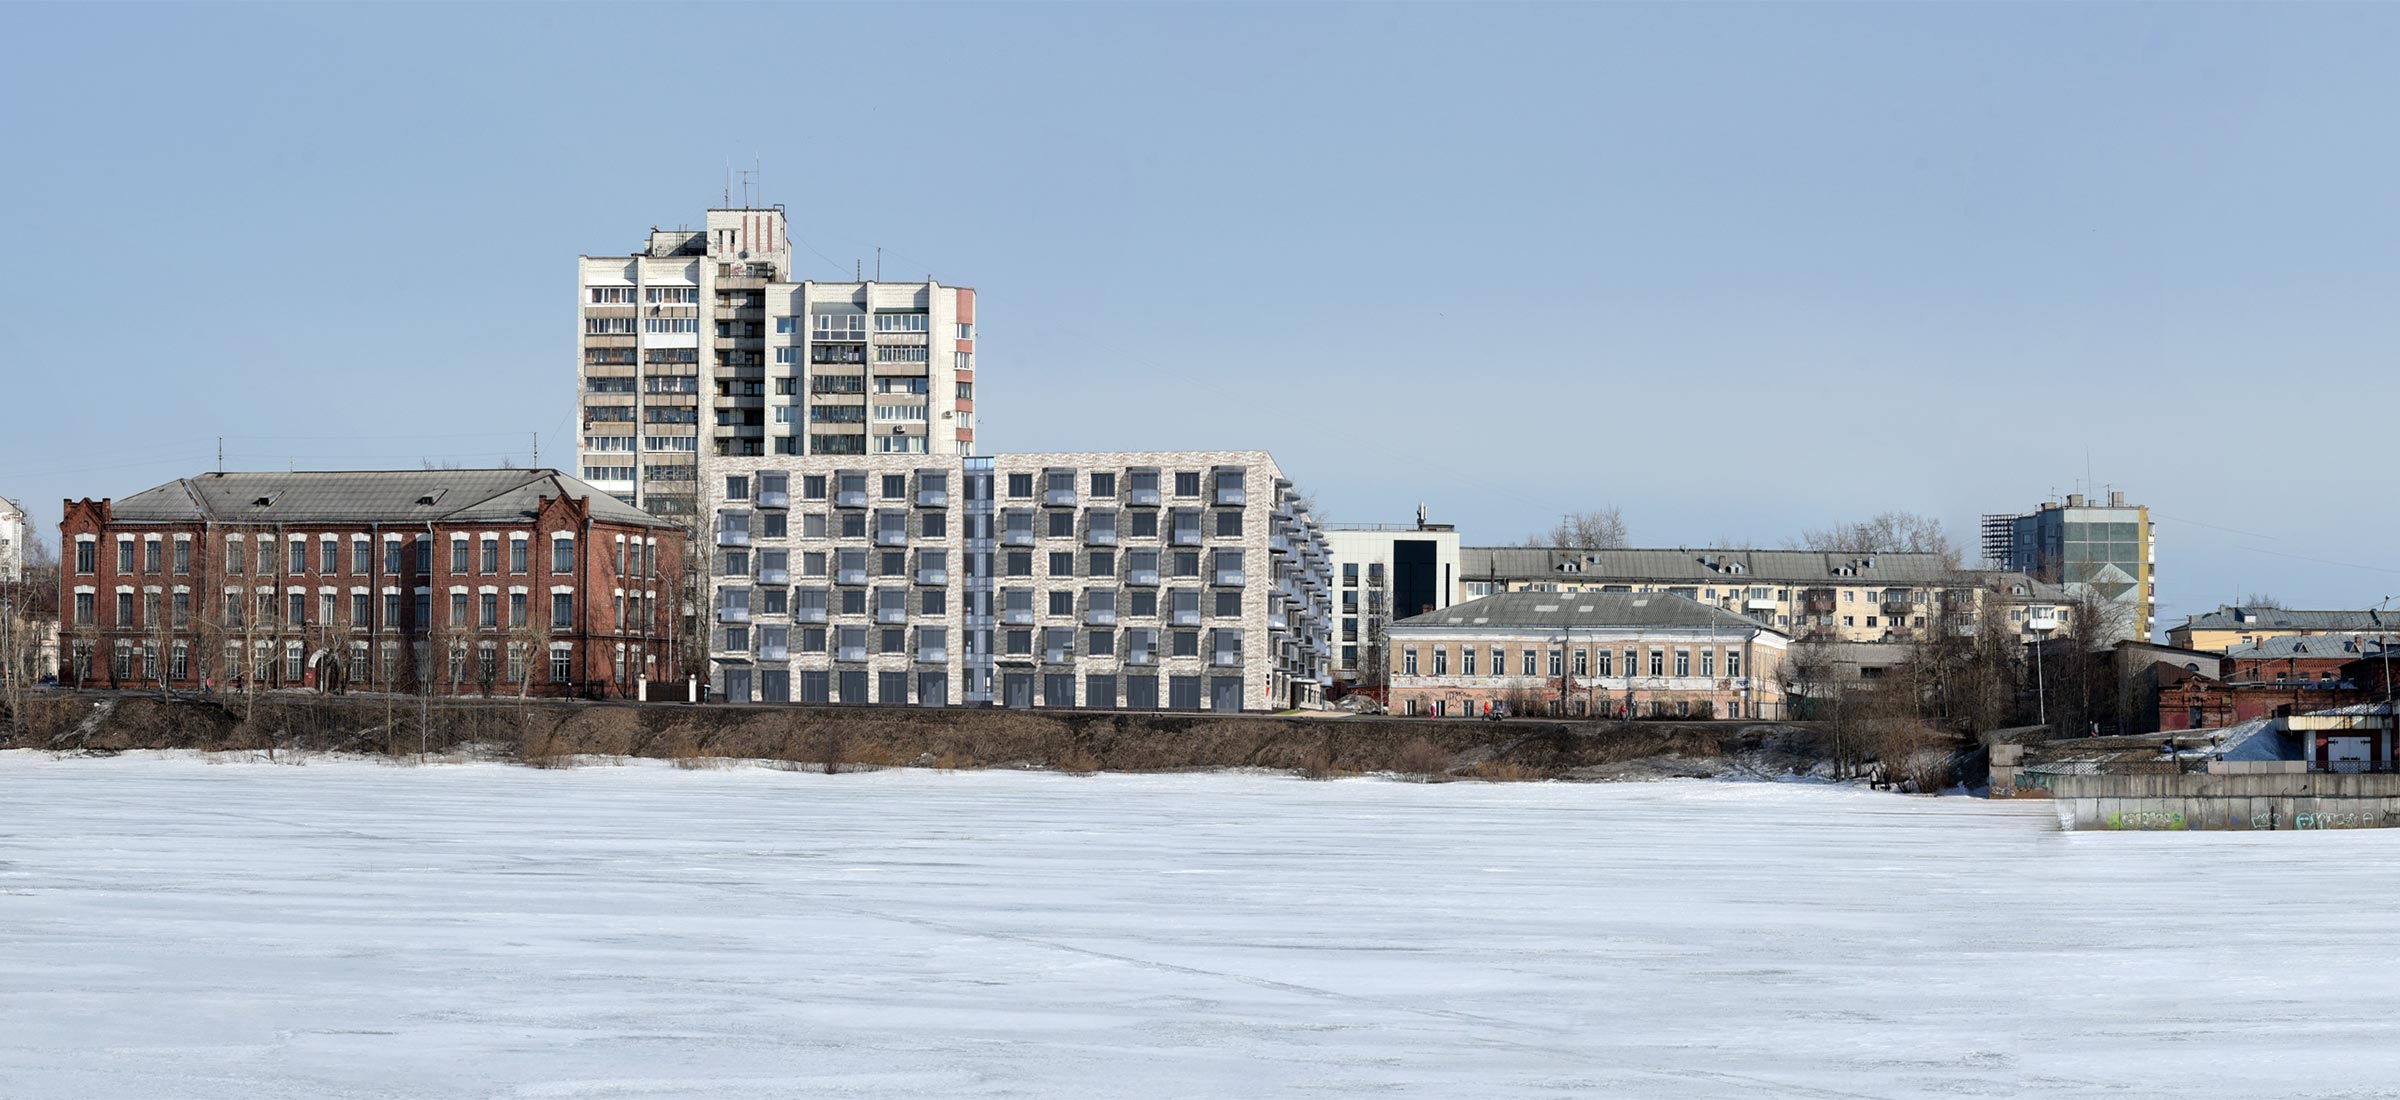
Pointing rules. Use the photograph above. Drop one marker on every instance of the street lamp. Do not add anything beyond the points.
(2041, 690)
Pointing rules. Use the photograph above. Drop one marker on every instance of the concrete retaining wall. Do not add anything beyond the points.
(2254, 800)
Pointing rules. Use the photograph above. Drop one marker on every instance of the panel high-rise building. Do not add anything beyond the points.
(705, 344)
(2103, 551)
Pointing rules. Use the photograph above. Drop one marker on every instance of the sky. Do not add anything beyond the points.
(1737, 270)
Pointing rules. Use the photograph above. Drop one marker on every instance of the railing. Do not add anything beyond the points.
(1183, 617)
(1100, 617)
(733, 538)
(1017, 536)
(1142, 578)
(850, 576)
(1232, 496)
(1099, 537)
(774, 500)
(933, 576)
(1144, 497)
(933, 498)
(850, 498)
(1187, 536)
(775, 653)
(733, 614)
(774, 576)
(1064, 497)
(891, 614)
(1225, 657)
(1017, 616)
(1229, 578)
(850, 653)
(808, 615)
(891, 538)
(932, 656)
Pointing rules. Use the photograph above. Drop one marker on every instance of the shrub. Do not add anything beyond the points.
(1075, 761)
(1423, 759)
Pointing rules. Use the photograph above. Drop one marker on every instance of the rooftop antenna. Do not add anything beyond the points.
(728, 200)
(879, 263)
(220, 454)
(749, 176)
(537, 450)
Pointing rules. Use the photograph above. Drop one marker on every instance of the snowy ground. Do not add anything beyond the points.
(176, 928)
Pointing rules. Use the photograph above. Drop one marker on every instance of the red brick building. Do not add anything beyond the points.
(453, 581)
(2275, 677)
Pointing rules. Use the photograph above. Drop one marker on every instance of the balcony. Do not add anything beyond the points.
(808, 615)
(1229, 578)
(775, 653)
(1187, 536)
(1100, 537)
(733, 614)
(1279, 543)
(1099, 616)
(1225, 657)
(1017, 616)
(1276, 620)
(850, 576)
(1185, 616)
(1899, 607)
(933, 576)
(933, 498)
(893, 615)
(730, 537)
(1142, 657)
(1147, 498)
(1760, 605)
(1059, 498)
(850, 498)
(1231, 495)
(891, 538)
(1142, 578)
(774, 500)
(774, 576)
(1056, 656)
(1017, 536)
(850, 653)
(933, 655)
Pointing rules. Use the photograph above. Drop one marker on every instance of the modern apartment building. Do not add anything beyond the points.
(2105, 551)
(12, 542)
(443, 580)
(1586, 654)
(1140, 580)
(704, 344)
(1808, 594)
(1384, 571)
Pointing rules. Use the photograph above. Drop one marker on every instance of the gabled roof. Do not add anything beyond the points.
(2304, 647)
(368, 496)
(2277, 618)
(1585, 611)
(1704, 566)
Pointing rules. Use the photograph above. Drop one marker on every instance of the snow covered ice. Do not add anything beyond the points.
(179, 928)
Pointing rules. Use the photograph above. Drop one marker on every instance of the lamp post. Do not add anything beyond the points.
(2041, 690)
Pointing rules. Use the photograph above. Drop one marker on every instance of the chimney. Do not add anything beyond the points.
(2074, 500)
(2116, 498)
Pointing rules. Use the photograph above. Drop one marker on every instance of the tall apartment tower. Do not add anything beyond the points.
(2106, 551)
(703, 345)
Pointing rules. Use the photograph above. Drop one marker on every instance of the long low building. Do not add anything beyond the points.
(445, 580)
(1588, 654)
(1192, 580)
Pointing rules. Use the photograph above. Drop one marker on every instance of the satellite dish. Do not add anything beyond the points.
(743, 255)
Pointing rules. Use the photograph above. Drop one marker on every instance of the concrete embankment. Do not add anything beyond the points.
(2264, 795)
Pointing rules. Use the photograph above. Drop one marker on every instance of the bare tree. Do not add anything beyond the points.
(2261, 599)
(1885, 533)
(1598, 529)
(529, 646)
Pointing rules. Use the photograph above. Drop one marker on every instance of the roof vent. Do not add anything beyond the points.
(266, 501)
(431, 499)
(1545, 607)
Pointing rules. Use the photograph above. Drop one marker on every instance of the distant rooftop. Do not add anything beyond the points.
(1704, 566)
(2229, 617)
(1584, 611)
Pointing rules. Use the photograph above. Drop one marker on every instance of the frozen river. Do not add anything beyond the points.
(175, 928)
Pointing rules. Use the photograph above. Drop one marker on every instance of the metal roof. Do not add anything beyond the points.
(1705, 566)
(1584, 611)
(368, 496)
(2304, 646)
(2276, 618)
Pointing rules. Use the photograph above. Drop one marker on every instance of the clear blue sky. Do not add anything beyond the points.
(1740, 270)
